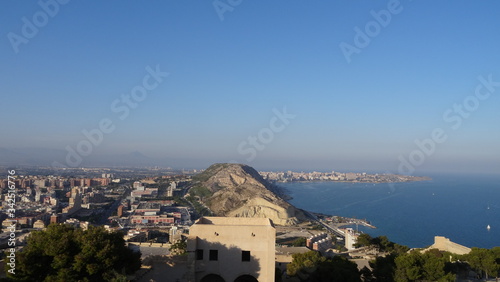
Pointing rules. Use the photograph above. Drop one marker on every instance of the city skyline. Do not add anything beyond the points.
(398, 86)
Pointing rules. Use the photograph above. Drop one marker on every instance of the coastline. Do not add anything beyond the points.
(423, 178)
(350, 177)
(341, 221)
(413, 213)
(283, 192)
(366, 224)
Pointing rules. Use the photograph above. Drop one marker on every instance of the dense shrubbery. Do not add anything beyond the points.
(311, 266)
(397, 263)
(63, 253)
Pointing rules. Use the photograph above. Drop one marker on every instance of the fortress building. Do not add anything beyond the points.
(444, 244)
(231, 249)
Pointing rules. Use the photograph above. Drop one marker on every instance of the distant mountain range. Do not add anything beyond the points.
(46, 157)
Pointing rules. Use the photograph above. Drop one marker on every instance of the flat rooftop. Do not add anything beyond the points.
(149, 206)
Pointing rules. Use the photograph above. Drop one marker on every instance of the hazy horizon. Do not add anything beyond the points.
(399, 86)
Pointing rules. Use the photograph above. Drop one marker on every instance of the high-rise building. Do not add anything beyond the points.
(119, 211)
(38, 194)
(75, 202)
(54, 218)
(86, 182)
(39, 182)
(351, 238)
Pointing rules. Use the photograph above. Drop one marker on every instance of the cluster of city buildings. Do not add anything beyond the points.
(41, 200)
(34, 207)
(290, 176)
(159, 213)
(58, 182)
(309, 176)
(141, 191)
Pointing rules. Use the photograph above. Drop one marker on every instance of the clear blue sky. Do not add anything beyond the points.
(226, 77)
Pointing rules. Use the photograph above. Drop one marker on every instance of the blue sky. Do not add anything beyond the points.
(227, 78)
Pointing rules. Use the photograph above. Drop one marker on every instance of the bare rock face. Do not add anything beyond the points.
(239, 190)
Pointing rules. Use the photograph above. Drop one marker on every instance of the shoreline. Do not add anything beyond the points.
(346, 221)
(345, 177)
(366, 224)
(346, 181)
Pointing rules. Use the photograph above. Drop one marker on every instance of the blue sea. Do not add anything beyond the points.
(458, 207)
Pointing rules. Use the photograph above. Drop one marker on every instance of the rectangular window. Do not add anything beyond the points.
(199, 254)
(213, 255)
(245, 255)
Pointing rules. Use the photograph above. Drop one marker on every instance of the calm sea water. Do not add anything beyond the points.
(457, 207)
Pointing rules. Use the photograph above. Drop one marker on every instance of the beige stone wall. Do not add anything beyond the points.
(231, 236)
(444, 244)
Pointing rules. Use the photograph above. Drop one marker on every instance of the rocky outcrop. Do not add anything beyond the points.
(239, 190)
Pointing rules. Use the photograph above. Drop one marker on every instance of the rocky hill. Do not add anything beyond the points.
(238, 190)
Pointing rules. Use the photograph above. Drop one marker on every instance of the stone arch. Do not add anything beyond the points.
(212, 278)
(246, 278)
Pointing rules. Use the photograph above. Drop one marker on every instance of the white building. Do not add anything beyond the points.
(351, 238)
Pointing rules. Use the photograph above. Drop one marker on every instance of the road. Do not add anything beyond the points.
(333, 229)
(107, 213)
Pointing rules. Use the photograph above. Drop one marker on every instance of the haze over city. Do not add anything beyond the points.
(399, 86)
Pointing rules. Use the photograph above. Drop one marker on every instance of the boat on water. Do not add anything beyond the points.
(488, 227)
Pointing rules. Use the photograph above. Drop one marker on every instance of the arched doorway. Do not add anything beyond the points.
(246, 278)
(212, 278)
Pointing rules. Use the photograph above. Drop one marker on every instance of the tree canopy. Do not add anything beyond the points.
(311, 266)
(428, 266)
(382, 243)
(64, 253)
(484, 261)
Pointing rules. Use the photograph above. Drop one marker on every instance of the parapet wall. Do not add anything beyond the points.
(444, 244)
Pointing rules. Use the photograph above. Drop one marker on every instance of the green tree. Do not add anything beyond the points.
(434, 264)
(299, 242)
(382, 243)
(63, 253)
(363, 240)
(336, 269)
(409, 267)
(428, 266)
(304, 264)
(496, 255)
(383, 268)
(311, 266)
(366, 274)
(484, 261)
(179, 247)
